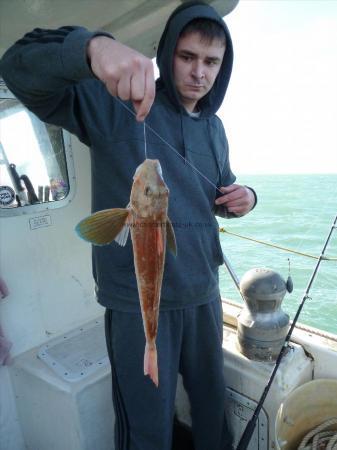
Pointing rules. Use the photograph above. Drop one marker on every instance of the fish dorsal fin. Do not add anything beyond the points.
(102, 227)
(170, 237)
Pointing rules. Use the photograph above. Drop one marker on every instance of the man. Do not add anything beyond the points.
(72, 78)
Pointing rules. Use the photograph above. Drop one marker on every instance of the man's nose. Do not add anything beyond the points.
(198, 69)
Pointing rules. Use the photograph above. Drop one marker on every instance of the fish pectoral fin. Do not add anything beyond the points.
(123, 235)
(170, 237)
(102, 227)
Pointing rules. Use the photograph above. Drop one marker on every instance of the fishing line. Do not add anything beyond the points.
(249, 430)
(145, 143)
(171, 147)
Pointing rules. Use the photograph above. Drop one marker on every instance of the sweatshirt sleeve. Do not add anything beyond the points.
(48, 71)
(227, 177)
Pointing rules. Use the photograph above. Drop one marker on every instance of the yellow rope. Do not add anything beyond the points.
(325, 258)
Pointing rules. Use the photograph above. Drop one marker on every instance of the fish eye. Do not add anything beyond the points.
(147, 191)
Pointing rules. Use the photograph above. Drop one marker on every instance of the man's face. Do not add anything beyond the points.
(196, 64)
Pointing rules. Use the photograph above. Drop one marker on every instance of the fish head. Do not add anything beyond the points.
(149, 191)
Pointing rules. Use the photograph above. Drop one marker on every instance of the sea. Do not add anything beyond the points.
(295, 212)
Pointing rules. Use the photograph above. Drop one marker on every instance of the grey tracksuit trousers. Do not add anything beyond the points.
(189, 341)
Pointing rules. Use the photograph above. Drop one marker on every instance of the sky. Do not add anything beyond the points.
(280, 110)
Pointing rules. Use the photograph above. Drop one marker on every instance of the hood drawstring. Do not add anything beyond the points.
(183, 149)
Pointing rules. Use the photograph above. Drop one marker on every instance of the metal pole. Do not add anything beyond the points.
(232, 273)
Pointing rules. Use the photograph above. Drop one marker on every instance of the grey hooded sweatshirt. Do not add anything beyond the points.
(49, 72)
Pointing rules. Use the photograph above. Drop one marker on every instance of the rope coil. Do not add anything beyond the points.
(321, 439)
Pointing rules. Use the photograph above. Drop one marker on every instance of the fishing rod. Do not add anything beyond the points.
(249, 430)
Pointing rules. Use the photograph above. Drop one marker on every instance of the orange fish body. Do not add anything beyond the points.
(148, 204)
(151, 230)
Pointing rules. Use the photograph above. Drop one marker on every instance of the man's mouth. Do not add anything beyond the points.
(195, 86)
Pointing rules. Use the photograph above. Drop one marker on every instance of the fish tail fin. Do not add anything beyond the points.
(150, 363)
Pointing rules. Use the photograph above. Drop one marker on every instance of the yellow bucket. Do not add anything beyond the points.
(303, 410)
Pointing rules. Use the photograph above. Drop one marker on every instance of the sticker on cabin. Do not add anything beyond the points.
(7, 195)
(39, 222)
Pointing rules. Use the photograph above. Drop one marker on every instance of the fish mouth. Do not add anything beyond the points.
(151, 171)
(147, 165)
(159, 172)
(161, 181)
(158, 168)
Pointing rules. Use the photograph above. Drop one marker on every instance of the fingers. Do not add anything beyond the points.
(123, 86)
(230, 188)
(144, 105)
(137, 85)
(231, 193)
(126, 73)
(135, 82)
(236, 198)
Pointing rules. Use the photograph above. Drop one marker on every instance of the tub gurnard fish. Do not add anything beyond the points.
(151, 230)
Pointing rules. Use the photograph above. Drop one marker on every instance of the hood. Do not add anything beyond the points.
(167, 44)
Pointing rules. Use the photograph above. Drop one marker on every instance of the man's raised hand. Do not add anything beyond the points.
(126, 73)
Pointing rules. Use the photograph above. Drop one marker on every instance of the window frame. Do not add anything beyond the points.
(42, 207)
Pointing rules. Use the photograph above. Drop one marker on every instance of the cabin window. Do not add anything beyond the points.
(36, 171)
